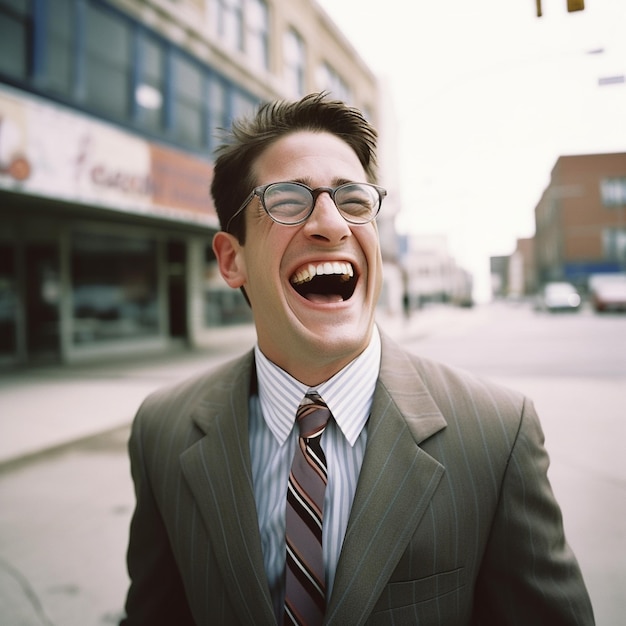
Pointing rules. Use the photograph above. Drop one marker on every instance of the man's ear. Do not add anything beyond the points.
(229, 254)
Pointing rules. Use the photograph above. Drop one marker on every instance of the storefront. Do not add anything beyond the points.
(105, 240)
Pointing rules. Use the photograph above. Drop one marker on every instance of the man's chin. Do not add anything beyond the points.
(339, 336)
(331, 322)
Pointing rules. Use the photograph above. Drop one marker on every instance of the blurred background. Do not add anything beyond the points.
(485, 98)
(502, 146)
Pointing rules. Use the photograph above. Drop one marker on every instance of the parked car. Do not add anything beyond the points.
(559, 296)
(608, 292)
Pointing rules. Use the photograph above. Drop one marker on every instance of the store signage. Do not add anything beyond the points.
(54, 152)
(14, 163)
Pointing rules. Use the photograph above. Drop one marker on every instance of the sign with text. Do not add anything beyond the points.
(50, 151)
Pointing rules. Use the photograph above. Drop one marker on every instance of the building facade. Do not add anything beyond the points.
(580, 228)
(521, 273)
(431, 274)
(581, 219)
(109, 115)
(499, 276)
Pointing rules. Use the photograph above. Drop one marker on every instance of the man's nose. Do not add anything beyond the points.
(326, 222)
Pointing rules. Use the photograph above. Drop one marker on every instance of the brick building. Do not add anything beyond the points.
(581, 219)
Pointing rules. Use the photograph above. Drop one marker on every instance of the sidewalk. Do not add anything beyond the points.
(47, 407)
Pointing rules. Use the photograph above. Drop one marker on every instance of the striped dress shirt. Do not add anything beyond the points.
(273, 441)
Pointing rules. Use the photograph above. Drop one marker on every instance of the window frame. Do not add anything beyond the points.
(129, 114)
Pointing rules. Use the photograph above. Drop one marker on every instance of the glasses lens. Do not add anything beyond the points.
(358, 203)
(288, 203)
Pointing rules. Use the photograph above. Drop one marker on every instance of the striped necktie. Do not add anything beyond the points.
(305, 588)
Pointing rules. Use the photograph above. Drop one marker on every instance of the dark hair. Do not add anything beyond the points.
(248, 138)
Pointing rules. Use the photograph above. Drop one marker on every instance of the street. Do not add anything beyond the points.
(573, 366)
(64, 515)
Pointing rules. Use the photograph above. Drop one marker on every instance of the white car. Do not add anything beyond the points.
(560, 296)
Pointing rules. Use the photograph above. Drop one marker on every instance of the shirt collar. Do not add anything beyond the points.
(348, 394)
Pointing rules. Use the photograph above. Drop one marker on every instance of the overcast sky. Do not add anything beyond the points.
(487, 96)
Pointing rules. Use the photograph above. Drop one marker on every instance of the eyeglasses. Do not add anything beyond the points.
(293, 203)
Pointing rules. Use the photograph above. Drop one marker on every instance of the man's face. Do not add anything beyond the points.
(310, 328)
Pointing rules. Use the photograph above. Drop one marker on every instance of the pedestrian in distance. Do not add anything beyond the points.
(328, 475)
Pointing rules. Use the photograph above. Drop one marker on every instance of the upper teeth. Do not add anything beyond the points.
(308, 272)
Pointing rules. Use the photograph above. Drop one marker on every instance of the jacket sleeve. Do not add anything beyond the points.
(529, 574)
(156, 595)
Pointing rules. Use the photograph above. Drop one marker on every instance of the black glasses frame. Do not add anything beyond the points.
(259, 192)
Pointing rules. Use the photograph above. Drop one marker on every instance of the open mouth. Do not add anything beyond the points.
(325, 282)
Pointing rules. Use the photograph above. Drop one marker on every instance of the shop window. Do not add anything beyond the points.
(216, 110)
(42, 299)
(59, 47)
(188, 102)
(328, 79)
(150, 87)
(294, 58)
(8, 301)
(223, 305)
(114, 288)
(257, 28)
(614, 244)
(107, 62)
(242, 104)
(228, 18)
(613, 192)
(15, 22)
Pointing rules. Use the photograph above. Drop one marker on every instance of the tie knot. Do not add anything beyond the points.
(312, 415)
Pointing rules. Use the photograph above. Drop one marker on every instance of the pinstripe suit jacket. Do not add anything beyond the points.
(453, 521)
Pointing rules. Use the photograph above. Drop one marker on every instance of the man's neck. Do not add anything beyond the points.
(314, 368)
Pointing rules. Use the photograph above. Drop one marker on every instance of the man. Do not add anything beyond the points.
(429, 485)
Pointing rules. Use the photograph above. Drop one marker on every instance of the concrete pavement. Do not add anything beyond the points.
(42, 408)
(46, 407)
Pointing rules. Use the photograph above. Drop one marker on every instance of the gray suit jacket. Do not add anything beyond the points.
(454, 521)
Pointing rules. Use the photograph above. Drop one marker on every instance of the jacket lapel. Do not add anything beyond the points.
(218, 471)
(396, 484)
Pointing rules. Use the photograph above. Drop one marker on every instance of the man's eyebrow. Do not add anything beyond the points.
(336, 182)
(342, 181)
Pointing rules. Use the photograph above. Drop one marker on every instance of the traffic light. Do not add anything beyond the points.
(575, 5)
(572, 5)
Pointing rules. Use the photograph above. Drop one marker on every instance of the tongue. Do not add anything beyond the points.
(324, 298)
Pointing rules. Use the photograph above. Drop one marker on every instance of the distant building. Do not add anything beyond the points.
(580, 228)
(499, 270)
(431, 274)
(521, 269)
(581, 219)
(109, 115)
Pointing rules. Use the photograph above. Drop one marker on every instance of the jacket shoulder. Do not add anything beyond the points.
(179, 401)
(448, 385)
(465, 383)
